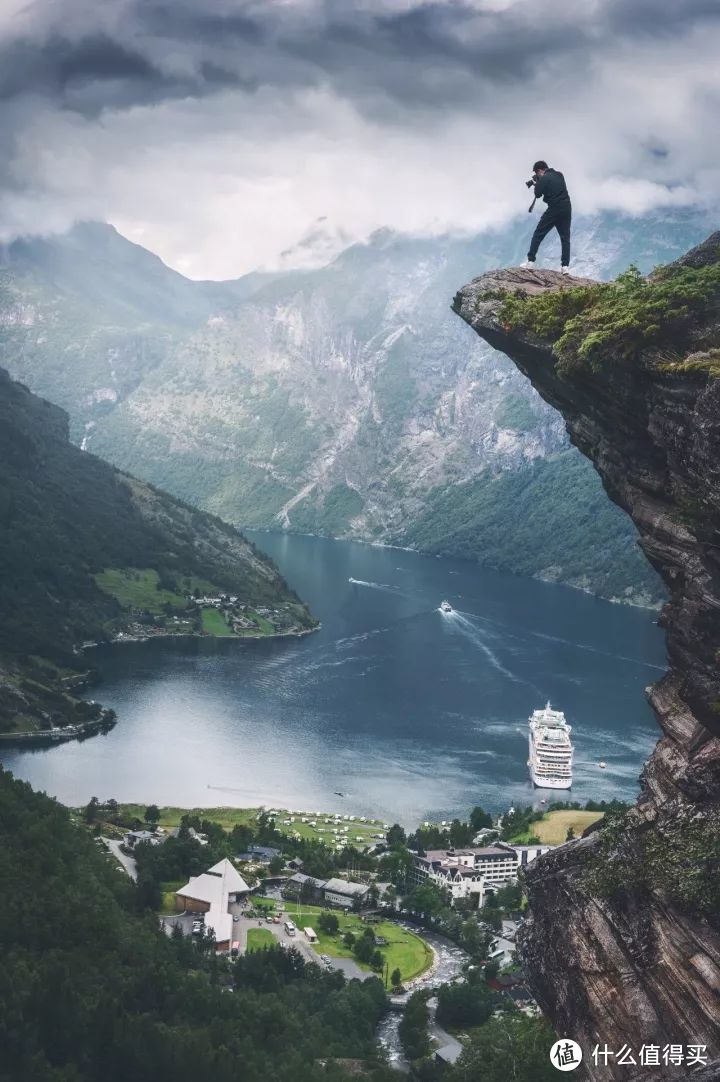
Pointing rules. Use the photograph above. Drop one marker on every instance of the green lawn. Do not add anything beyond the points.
(267, 905)
(138, 589)
(405, 950)
(259, 938)
(264, 625)
(230, 817)
(214, 623)
(553, 827)
(168, 895)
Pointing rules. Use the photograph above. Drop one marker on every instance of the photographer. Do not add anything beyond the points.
(549, 185)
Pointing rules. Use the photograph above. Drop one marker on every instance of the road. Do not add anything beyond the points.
(445, 1040)
(242, 926)
(128, 863)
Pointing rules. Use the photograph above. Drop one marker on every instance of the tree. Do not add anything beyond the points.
(570, 833)
(92, 808)
(460, 833)
(465, 1003)
(491, 970)
(491, 916)
(427, 900)
(364, 948)
(152, 815)
(328, 922)
(413, 1028)
(276, 865)
(396, 836)
(396, 866)
(474, 941)
(357, 903)
(511, 1046)
(480, 819)
(373, 895)
(396, 978)
(349, 940)
(390, 896)
(377, 961)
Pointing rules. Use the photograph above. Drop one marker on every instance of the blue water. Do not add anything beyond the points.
(410, 713)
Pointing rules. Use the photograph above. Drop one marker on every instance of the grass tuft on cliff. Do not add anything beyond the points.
(677, 859)
(594, 325)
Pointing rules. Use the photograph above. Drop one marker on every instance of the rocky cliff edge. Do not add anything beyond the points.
(622, 945)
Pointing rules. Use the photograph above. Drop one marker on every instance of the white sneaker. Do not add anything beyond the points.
(564, 270)
(526, 265)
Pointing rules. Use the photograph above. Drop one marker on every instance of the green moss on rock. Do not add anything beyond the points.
(616, 321)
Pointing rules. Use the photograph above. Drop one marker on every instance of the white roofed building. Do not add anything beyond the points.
(212, 893)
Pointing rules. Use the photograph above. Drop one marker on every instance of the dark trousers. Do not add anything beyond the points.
(552, 219)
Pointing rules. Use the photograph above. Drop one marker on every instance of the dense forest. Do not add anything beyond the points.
(66, 515)
(90, 989)
(68, 522)
(554, 505)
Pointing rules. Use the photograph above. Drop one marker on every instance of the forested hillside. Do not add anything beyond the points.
(75, 534)
(92, 991)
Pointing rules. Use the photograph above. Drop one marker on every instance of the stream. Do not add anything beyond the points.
(449, 962)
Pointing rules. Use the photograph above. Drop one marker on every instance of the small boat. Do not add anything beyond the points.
(445, 606)
(602, 764)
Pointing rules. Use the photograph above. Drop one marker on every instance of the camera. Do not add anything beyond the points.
(531, 183)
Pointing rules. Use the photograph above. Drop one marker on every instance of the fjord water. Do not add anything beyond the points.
(408, 712)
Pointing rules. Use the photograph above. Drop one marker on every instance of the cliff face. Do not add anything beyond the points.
(620, 947)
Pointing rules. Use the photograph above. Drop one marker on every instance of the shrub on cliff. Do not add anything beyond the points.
(594, 325)
(677, 859)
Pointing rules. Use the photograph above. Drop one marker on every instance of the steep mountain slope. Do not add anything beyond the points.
(623, 940)
(77, 537)
(345, 401)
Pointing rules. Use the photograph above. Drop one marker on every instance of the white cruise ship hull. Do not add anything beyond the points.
(550, 783)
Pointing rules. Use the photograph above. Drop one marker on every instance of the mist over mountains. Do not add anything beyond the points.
(346, 401)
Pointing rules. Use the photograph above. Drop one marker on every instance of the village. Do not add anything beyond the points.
(359, 920)
(217, 616)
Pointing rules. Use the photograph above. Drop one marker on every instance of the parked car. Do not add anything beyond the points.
(236, 919)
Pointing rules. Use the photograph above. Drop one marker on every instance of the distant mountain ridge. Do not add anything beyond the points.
(343, 401)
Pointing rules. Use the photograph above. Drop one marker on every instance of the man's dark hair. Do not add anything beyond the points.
(539, 165)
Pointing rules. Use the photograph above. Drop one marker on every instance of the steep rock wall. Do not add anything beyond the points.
(634, 964)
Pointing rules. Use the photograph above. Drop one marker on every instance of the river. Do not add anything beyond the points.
(410, 713)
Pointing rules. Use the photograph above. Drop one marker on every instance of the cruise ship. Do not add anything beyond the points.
(551, 753)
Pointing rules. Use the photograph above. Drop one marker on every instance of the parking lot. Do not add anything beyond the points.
(242, 924)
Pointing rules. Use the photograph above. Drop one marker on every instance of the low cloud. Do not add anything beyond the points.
(218, 133)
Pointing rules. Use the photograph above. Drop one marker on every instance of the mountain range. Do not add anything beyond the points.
(344, 401)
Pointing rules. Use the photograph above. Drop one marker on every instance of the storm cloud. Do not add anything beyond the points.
(219, 132)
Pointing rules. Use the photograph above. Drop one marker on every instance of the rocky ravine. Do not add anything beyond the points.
(633, 964)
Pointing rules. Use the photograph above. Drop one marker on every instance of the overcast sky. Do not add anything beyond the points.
(222, 133)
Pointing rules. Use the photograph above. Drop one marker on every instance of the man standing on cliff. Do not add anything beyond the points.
(550, 185)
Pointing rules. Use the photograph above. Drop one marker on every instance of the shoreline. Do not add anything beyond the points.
(108, 720)
(118, 641)
(61, 734)
(629, 602)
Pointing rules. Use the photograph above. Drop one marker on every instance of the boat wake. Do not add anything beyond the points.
(466, 627)
(373, 585)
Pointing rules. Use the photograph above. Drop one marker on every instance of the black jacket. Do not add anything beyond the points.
(551, 187)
